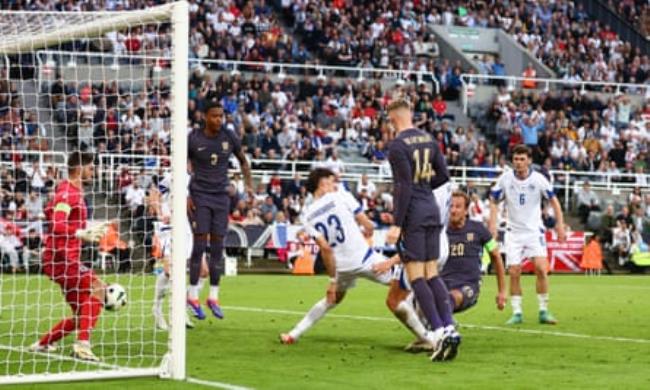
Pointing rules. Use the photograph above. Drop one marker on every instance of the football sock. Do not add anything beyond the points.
(515, 301)
(214, 293)
(60, 330)
(162, 284)
(317, 312)
(542, 299)
(87, 316)
(406, 314)
(200, 285)
(424, 296)
(215, 264)
(441, 297)
(193, 292)
(198, 249)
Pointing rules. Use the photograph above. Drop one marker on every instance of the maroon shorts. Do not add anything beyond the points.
(75, 279)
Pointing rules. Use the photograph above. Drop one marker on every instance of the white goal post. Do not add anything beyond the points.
(145, 351)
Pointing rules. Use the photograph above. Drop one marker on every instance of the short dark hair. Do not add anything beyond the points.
(315, 177)
(522, 149)
(212, 103)
(460, 194)
(78, 158)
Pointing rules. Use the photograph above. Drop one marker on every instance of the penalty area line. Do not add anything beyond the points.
(472, 326)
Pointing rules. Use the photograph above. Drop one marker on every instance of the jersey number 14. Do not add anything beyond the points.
(423, 168)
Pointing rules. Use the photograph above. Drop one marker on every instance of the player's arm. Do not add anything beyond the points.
(60, 223)
(243, 163)
(386, 265)
(402, 188)
(330, 266)
(559, 215)
(365, 222)
(496, 195)
(439, 167)
(497, 264)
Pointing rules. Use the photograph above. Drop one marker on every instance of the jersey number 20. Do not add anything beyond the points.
(333, 222)
(423, 169)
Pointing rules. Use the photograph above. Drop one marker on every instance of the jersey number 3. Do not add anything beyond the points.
(423, 169)
(214, 158)
(333, 222)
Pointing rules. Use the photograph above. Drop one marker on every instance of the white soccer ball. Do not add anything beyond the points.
(115, 297)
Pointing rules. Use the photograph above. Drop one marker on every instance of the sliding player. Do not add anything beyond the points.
(461, 273)
(83, 290)
(209, 151)
(334, 219)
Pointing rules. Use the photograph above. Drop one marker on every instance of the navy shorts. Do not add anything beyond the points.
(210, 214)
(470, 296)
(420, 243)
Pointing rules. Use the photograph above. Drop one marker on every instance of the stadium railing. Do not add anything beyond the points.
(564, 182)
(472, 81)
(47, 60)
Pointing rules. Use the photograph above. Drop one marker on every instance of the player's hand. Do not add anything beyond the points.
(501, 300)
(561, 233)
(190, 206)
(331, 293)
(381, 267)
(393, 235)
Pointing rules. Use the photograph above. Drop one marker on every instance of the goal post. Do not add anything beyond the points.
(57, 123)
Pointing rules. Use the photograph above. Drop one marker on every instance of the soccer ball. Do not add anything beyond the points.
(115, 297)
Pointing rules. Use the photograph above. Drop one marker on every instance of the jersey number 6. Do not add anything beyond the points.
(332, 222)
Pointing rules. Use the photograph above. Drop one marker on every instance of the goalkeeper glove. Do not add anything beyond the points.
(93, 233)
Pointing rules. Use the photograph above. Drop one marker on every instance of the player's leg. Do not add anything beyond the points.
(201, 220)
(464, 297)
(541, 274)
(219, 229)
(161, 288)
(318, 311)
(399, 302)
(515, 255)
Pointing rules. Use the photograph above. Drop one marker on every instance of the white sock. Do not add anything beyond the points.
(193, 292)
(410, 319)
(162, 284)
(200, 286)
(515, 301)
(317, 312)
(543, 302)
(214, 293)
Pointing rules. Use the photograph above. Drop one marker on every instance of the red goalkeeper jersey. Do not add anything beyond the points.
(66, 213)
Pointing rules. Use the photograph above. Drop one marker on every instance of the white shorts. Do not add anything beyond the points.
(524, 246)
(345, 280)
(165, 238)
(444, 249)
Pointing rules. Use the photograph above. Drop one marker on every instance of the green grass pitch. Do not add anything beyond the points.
(602, 341)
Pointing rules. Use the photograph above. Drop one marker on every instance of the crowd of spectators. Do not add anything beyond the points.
(634, 12)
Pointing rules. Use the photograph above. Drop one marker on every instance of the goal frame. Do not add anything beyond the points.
(177, 14)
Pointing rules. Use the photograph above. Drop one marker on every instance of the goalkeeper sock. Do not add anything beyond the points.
(59, 331)
(317, 312)
(406, 314)
(88, 315)
(162, 284)
(215, 264)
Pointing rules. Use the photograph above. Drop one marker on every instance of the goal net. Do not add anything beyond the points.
(114, 85)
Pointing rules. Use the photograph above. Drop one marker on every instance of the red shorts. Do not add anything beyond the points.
(75, 279)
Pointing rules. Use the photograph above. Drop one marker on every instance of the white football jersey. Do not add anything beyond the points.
(523, 200)
(164, 230)
(332, 217)
(442, 195)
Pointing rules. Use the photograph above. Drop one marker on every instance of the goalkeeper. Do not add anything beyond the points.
(83, 290)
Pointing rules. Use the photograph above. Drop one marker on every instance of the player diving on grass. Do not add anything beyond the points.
(82, 289)
(161, 202)
(209, 151)
(334, 219)
(418, 168)
(461, 271)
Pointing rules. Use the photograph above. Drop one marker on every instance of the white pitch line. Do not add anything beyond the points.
(217, 385)
(55, 356)
(483, 327)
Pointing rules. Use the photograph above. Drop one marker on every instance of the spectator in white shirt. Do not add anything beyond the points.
(366, 184)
